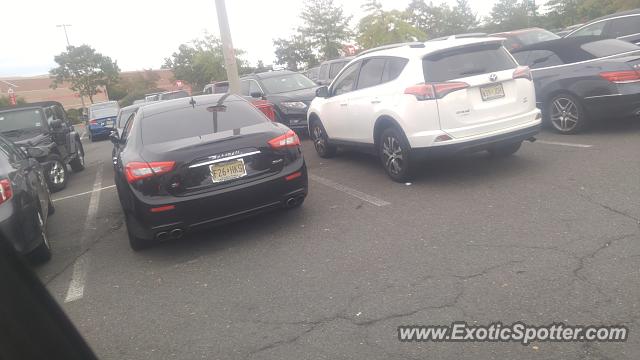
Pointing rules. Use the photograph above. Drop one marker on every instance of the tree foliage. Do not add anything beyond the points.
(4, 101)
(201, 61)
(381, 27)
(441, 20)
(85, 69)
(295, 53)
(136, 86)
(325, 27)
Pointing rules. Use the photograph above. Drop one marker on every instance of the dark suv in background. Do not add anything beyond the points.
(623, 25)
(329, 70)
(45, 126)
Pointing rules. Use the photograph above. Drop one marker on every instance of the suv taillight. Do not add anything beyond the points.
(6, 192)
(522, 72)
(621, 77)
(432, 91)
(289, 139)
(135, 171)
(93, 122)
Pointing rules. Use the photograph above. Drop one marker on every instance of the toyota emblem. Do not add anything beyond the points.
(493, 77)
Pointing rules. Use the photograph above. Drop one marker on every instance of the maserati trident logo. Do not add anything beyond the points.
(493, 77)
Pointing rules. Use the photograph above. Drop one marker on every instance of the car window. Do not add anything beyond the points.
(536, 36)
(511, 43)
(625, 26)
(123, 116)
(199, 120)
(254, 87)
(392, 68)
(542, 58)
(466, 61)
(323, 74)
(608, 47)
(245, 88)
(58, 113)
(591, 30)
(347, 79)
(286, 83)
(371, 72)
(127, 126)
(174, 95)
(21, 119)
(13, 153)
(335, 68)
(522, 57)
(221, 88)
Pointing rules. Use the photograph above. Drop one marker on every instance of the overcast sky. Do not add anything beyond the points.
(141, 33)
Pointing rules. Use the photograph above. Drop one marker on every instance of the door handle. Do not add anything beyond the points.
(344, 104)
(376, 101)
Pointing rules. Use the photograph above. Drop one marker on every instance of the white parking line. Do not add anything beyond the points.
(84, 193)
(80, 267)
(347, 190)
(564, 144)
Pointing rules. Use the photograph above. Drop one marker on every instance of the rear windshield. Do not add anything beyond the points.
(188, 121)
(21, 119)
(102, 113)
(465, 62)
(221, 88)
(287, 83)
(536, 36)
(608, 47)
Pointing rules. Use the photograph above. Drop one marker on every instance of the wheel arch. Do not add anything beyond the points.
(384, 122)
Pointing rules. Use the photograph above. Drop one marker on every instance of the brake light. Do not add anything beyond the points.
(522, 72)
(432, 91)
(290, 139)
(93, 122)
(135, 171)
(621, 77)
(266, 108)
(6, 192)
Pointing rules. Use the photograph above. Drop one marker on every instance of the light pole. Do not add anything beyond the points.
(227, 48)
(65, 26)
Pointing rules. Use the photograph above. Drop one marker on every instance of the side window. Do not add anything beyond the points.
(324, 72)
(58, 113)
(393, 68)
(543, 58)
(335, 68)
(625, 26)
(127, 126)
(13, 153)
(254, 87)
(346, 82)
(371, 72)
(522, 57)
(244, 87)
(593, 29)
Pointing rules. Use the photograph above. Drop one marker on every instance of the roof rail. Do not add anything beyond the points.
(460, 36)
(414, 44)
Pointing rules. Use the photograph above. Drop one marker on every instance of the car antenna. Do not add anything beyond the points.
(192, 102)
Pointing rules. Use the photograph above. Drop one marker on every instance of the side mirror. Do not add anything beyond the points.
(322, 92)
(257, 95)
(55, 123)
(34, 152)
(115, 139)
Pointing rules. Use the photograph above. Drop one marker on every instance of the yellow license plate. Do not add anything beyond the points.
(227, 170)
(492, 92)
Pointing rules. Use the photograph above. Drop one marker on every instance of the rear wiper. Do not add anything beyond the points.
(473, 72)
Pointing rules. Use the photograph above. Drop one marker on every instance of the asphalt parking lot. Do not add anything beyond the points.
(549, 235)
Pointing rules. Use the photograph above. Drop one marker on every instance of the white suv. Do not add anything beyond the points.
(427, 99)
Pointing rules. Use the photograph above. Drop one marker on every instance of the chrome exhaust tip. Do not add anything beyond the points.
(177, 233)
(162, 236)
(291, 202)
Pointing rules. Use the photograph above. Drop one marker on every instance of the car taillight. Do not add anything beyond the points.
(93, 122)
(135, 171)
(290, 139)
(431, 91)
(522, 72)
(266, 108)
(621, 77)
(6, 192)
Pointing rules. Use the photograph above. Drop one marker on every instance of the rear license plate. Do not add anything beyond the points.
(227, 170)
(492, 92)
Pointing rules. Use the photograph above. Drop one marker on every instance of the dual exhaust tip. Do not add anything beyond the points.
(176, 233)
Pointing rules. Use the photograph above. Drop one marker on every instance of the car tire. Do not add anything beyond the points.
(56, 174)
(321, 141)
(135, 242)
(504, 150)
(395, 155)
(565, 114)
(42, 253)
(77, 164)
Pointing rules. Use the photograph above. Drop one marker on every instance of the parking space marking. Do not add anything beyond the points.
(81, 265)
(584, 146)
(84, 193)
(350, 191)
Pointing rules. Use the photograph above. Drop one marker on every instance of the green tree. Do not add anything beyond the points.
(295, 53)
(201, 62)
(325, 27)
(4, 101)
(461, 19)
(441, 20)
(136, 86)
(381, 27)
(509, 15)
(85, 69)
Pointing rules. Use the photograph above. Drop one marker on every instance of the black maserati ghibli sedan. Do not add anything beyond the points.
(583, 79)
(25, 203)
(193, 162)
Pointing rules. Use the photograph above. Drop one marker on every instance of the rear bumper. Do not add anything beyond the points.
(477, 145)
(614, 106)
(218, 207)
(97, 130)
(14, 229)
